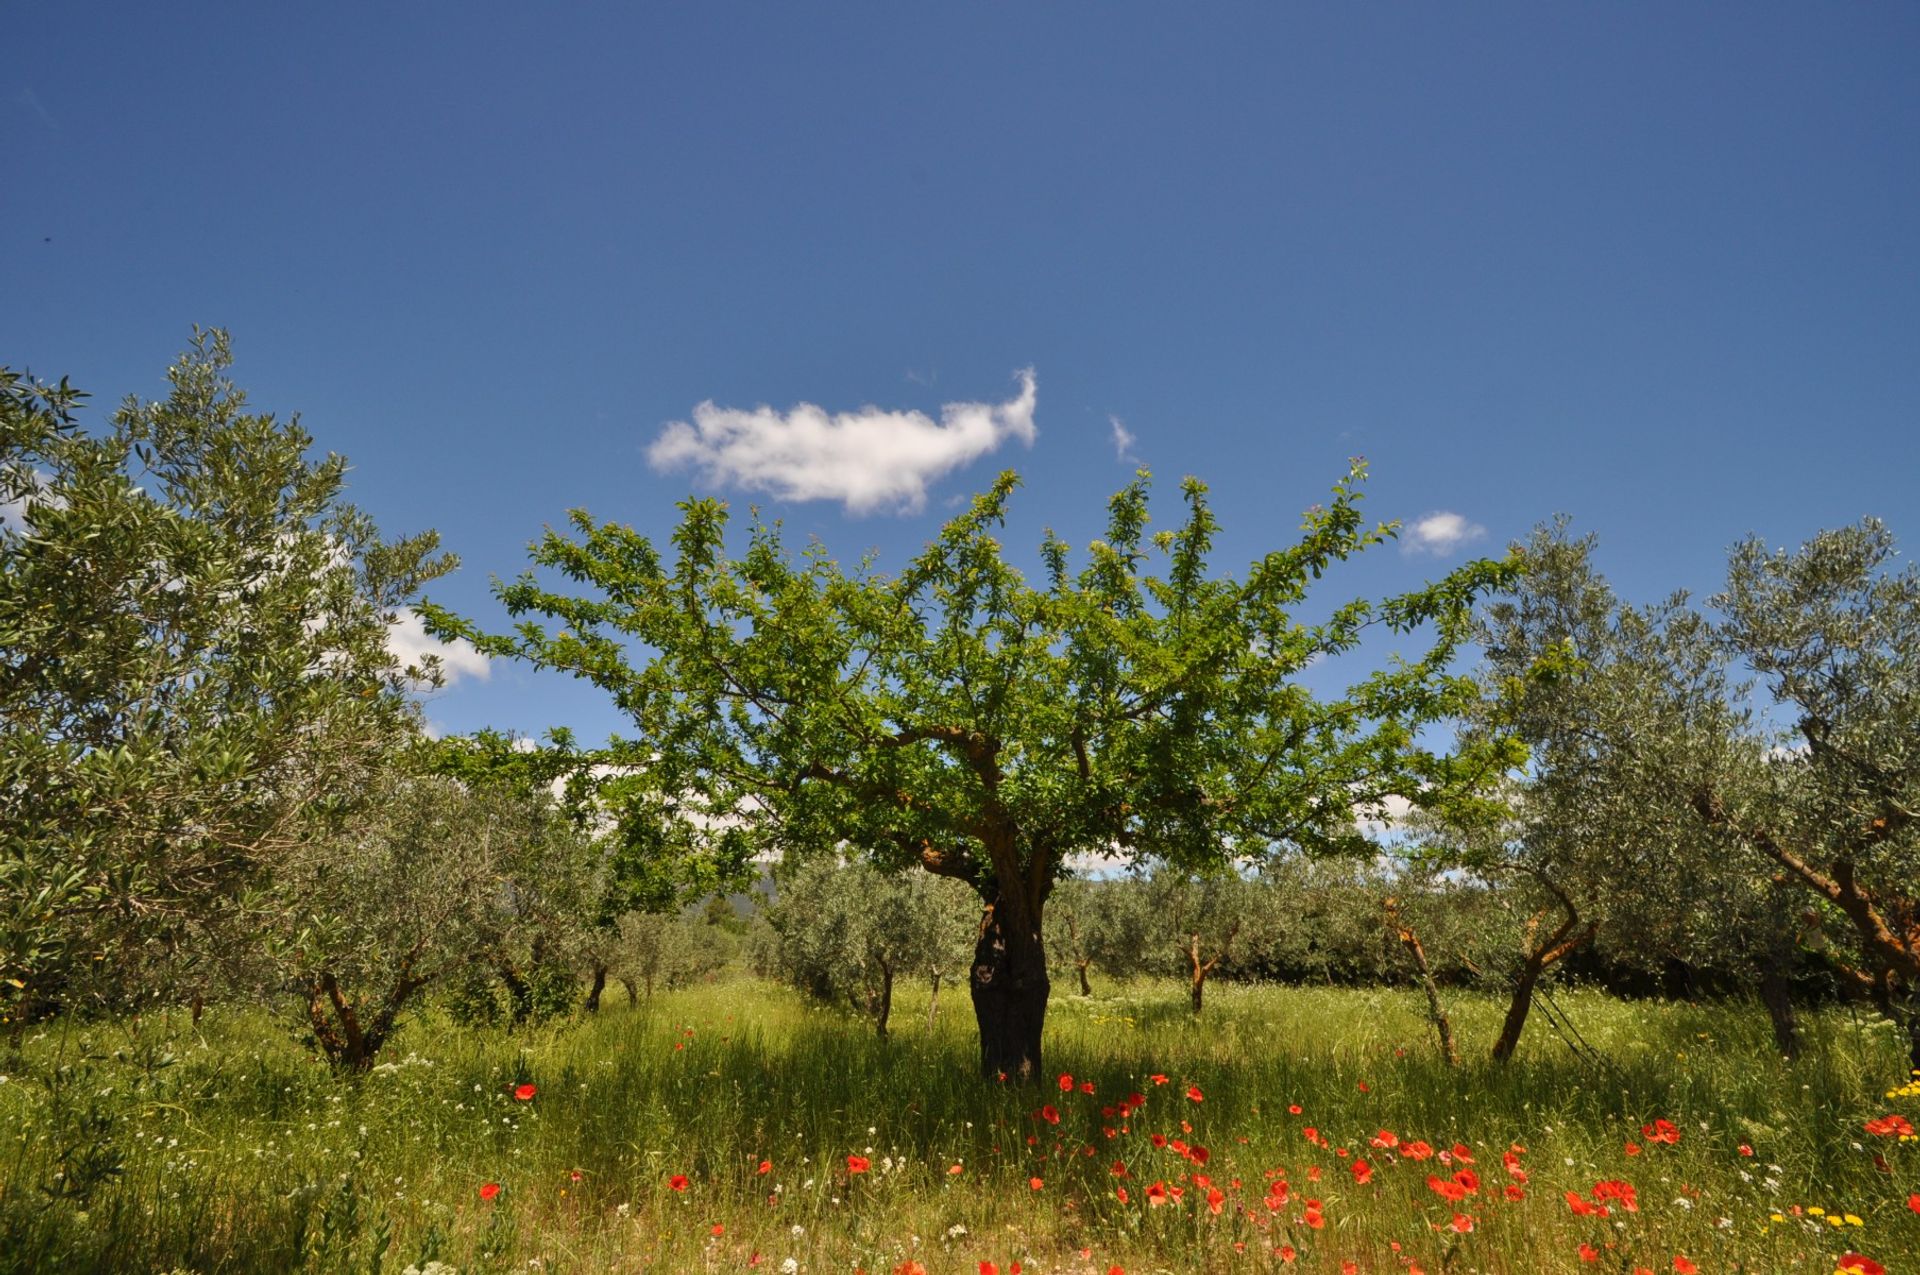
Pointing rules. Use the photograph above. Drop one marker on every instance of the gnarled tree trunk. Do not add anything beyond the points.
(599, 986)
(1540, 954)
(1776, 993)
(1009, 984)
(1200, 968)
(1442, 1025)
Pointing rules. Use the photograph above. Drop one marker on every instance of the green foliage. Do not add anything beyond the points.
(958, 718)
(194, 676)
(847, 933)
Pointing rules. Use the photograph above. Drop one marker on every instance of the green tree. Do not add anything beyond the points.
(418, 887)
(852, 932)
(1592, 686)
(1833, 631)
(956, 718)
(194, 675)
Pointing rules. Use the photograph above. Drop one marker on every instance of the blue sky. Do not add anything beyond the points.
(1655, 266)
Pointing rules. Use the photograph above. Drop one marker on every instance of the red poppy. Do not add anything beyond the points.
(858, 1164)
(1660, 1131)
(1362, 1172)
(1681, 1264)
(1583, 1208)
(1157, 1079)
(1157, 1194)
(718, 1229)
(1050, 1114)
(1452, 1191)
(1036, 1183)
(490, 1190)
(1066, 1083)
(1913, 1202)
(525, 1093)
(1614, 1189)
(1890, 1126)
(766, 1166)
(1193, 1092)
(1745, 1149)
(1855, 1264)
(678, 1181)
(1086, 1086)
(1121, 1193)
(1386, 1140)
(1416, 1151)
(1588, 1253)
(1461, 1154)
(1461, 1223)
(1516, 1193)
(989, 1268)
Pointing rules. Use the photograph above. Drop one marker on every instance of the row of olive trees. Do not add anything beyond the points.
(213, 777)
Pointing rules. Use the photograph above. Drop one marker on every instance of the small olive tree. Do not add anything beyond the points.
(851, 932)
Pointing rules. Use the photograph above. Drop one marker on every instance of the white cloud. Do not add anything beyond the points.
(1440, 533)
(1123, 440)
(870, 460)
(409, 641)
(1377, 819)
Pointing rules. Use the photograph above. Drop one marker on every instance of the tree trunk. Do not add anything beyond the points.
(1776, 993)
(633, 990)
(599, 986)
(885, 1010)
(1442, 1025)
(933, 1001)
(1009, 985)
(1539, 955)
(1080, 967)
(1517, 1010)
(1199, 974)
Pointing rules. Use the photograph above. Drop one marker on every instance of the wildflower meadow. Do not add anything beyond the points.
(735, 1126)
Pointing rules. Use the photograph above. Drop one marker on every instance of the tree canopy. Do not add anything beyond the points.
(955, 717)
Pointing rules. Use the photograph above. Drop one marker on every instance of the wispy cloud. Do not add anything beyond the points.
(410, 643)
(871, 461)
(31, 100)
(1440, 533)
(1123, 441)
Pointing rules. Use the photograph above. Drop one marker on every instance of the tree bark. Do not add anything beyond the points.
(1203, 968)
(933, 1001)
(1776, 993)
(599, 986)
(1080, 967)
(1009, 985)
(1539, 957)
(633, 990)
(1442, 1025)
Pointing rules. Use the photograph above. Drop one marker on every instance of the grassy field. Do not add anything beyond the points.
(720, 1129)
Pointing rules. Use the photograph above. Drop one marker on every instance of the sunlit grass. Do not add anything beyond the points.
(243, 1154)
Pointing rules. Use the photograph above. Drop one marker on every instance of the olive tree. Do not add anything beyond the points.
(851, 932)
(1598, 690)
(1833, 631)
(956, 718)
(194, 675)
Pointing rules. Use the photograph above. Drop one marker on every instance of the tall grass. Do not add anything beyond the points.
(236, 1151)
